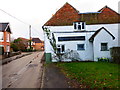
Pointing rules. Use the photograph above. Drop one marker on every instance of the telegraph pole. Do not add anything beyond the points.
(30, 34)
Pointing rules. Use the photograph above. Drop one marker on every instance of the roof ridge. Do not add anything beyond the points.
(102, 28)
(108, 8)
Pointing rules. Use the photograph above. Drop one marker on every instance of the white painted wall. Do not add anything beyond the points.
(86, 54)
(119, 35)
(112, 28)
(102, 37)
(47, 45)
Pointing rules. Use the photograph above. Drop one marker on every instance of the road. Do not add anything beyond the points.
(24, 72)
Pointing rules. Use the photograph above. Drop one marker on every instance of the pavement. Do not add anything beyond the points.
(53, 78)
(7, 60)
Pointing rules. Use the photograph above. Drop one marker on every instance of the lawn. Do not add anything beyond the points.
(92, 74)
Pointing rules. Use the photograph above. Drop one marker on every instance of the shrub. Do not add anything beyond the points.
(115, 54)
(103, 59)
(14, 47)
(1, 50)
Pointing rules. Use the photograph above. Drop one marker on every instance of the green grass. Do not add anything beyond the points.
(92, 74)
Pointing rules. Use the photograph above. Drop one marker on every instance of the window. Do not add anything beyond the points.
(104, 46)
(60, 48)
(71, 38)
(80, 47)
(83, 26)
(1, 35)
(7, 48)
(7, 37)
(79, 25)
(75, 26)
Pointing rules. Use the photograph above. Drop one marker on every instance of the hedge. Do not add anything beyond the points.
(115, 54)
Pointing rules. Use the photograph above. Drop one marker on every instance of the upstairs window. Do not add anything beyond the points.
(1, 36)
(104, 46)
(75, 26)
(79, 25)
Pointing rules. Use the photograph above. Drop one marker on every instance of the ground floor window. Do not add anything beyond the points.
(80, 46)
(7, 48)
(104, 46)
(60, 48)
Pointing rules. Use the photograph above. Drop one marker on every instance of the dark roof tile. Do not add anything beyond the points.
(4, 26)
(36, 40)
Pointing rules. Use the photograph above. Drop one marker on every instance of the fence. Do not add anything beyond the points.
(115, 54)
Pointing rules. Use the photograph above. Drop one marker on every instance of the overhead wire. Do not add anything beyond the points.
(19, 20)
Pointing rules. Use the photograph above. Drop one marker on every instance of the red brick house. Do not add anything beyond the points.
(37, 44)
(5, 32)
(24, 41)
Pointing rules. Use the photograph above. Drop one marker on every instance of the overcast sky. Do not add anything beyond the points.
(37, 12)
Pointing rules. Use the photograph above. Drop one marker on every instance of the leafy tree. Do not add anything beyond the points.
(17, 40)
(18, 45)
(14, 47)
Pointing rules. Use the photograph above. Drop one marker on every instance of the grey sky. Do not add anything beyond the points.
(37, 12)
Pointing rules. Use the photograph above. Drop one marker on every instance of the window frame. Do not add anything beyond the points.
(79, 48)
(103, 47)
(60, 46)
(72, 38)
(78, 26)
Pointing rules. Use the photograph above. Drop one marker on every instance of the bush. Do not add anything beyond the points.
(14, 47)
(103, 59)
(115, 54)
(1, 50)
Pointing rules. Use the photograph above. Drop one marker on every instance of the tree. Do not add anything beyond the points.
(14, 47)
(18, 45)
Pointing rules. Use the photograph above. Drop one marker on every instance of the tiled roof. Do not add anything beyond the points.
(36, 40)
(5, 27)
(24, 39)
(68, 14)
(94, 35)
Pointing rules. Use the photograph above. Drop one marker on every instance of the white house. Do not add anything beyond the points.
(91, 34)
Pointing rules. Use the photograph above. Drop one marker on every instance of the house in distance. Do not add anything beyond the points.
(37, 44)
(5, 32)
(90, 34)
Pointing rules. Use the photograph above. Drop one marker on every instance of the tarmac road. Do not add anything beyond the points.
(24, 72)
